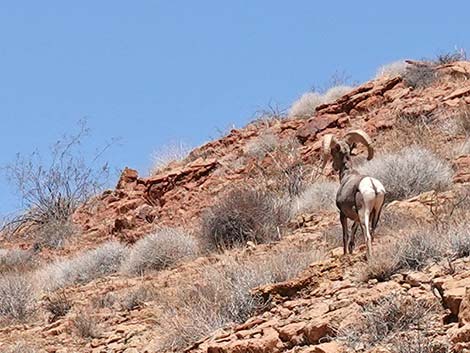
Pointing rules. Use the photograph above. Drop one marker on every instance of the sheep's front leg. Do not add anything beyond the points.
(344, 224)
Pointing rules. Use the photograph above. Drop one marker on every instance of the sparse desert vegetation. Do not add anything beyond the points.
(384, 320)
(394, 69)
(243, 215)
(83, 268)
(409, 172)
(245, 254)
(17, 297)
(162, 249)
(223, 295)
(306, 105)
(172, 152)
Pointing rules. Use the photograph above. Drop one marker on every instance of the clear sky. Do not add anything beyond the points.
(153, 72)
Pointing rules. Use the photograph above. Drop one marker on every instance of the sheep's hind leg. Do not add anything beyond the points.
(364, 222)
(352, 237)
(344, 225)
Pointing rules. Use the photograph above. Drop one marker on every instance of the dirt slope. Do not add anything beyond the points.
(304, 314)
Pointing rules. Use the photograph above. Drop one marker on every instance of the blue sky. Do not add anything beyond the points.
(153, 72)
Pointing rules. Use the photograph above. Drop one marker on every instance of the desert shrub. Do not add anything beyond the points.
(409, 172)
(52, 188)
(222, 296)
(21, 347)
(463, 148)
(17, 297)
(306, 105)
(420, 76)
(458, 238)
(85, 267)
(385, 318)
(396, 68)
(242, 215)
(16, 260)
(450, 57)
(58, 305)
(134, 298)
(160, 250)
(55, 233)
(287, 175)
(422, 245)
(106, 300)
(320, 195)
(173, 152)
(417, 342)
(336, 92)
(265, 116)
(85, 325)
(261, 145)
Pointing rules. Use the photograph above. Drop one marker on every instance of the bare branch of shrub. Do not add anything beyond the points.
(52, 188)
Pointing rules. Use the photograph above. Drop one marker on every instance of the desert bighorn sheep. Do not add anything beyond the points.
(359, 197)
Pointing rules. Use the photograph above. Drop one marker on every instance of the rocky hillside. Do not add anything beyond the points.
(290, 289)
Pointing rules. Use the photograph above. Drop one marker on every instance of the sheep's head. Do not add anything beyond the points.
(340, 150)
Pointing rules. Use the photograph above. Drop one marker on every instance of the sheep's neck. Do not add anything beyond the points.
(346, 170)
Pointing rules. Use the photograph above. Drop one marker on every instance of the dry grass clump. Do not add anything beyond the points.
(55, 233)
(16, 260)
(21, 347)
(85, 325)
(58, 305)
(105, 300)
(85, 267)
(320, 195)
(417, 342)
(17, 297)
(421, 246)
(135, 298)
(261, 145)
(394, 69)
(222, 296)
(242, 215)
(386, 319)
(420, 76)
(160, 250)
(164, 156)
(306, 105)
(463, 148)
(409, 172)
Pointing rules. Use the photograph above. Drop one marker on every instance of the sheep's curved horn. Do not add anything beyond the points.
(328, 142)
(360, 136)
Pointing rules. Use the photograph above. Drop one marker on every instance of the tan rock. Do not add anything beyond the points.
(461, 335)
(269, 342)
(464, 309)
(330, 347)
(316, 330)
(415, 279)
(293, 333)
